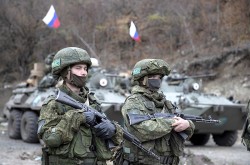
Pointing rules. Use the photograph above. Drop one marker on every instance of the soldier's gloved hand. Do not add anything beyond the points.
(90, 118)
(105, 129)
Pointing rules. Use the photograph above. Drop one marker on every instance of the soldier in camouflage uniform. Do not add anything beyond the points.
(159, 135)
(245, 137)
(71, 135)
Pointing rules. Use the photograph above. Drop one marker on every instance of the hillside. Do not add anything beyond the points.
(231, 67)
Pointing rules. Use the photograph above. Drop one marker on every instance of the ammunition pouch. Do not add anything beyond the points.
(166, 160)
(132, 158)
(128, 155)
(169, 160)
(58, 160)
(118, 157)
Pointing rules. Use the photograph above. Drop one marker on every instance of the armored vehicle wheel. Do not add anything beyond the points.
(14, 123)
(29, 127)
(199, 139)
(228, 138)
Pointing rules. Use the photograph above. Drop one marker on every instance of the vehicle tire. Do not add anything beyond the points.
(29, 127)
(228, 138)
(199, 139)
(14, 124)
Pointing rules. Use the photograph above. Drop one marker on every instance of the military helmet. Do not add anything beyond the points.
(69, 56)
(149, 67)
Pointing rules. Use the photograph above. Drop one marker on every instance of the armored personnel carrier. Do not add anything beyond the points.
(186, 93)
(23, 107)
(23, 110)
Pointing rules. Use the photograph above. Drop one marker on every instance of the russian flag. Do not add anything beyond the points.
(51, 18)
(133, 32)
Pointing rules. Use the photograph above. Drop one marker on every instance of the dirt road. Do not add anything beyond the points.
(235, 155)
(16, 152)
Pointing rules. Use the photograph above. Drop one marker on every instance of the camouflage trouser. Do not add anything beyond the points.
(126, 162)
(146, 160)
(56, 160)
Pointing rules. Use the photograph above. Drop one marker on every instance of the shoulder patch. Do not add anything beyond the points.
(56, 63)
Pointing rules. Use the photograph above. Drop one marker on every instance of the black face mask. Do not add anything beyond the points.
(154, 84)
(78, 81)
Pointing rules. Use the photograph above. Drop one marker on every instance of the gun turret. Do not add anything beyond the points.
(179, 77)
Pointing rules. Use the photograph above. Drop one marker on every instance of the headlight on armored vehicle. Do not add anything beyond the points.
(196, 86)
(103, 82)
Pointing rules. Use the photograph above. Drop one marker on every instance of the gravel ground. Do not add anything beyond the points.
(235, 155)
(17, 152)
(21, 153)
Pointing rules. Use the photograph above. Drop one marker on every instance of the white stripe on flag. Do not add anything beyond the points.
(49, 16)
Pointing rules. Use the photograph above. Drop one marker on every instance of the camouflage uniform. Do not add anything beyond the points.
(69, 140)
(248, 116)
(246, 130)
(155, 134)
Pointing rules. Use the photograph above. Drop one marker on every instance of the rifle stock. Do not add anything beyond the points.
(66, 99)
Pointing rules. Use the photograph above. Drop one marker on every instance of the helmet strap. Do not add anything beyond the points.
(68, 80)
(64, 73)
(145, 81)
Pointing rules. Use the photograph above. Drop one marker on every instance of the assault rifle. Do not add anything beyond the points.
(66, 99)
(138, 118)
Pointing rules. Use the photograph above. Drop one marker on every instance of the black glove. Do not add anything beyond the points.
(90, 118)
(105, 129)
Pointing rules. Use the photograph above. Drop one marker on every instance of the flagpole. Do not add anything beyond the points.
(85, 43)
